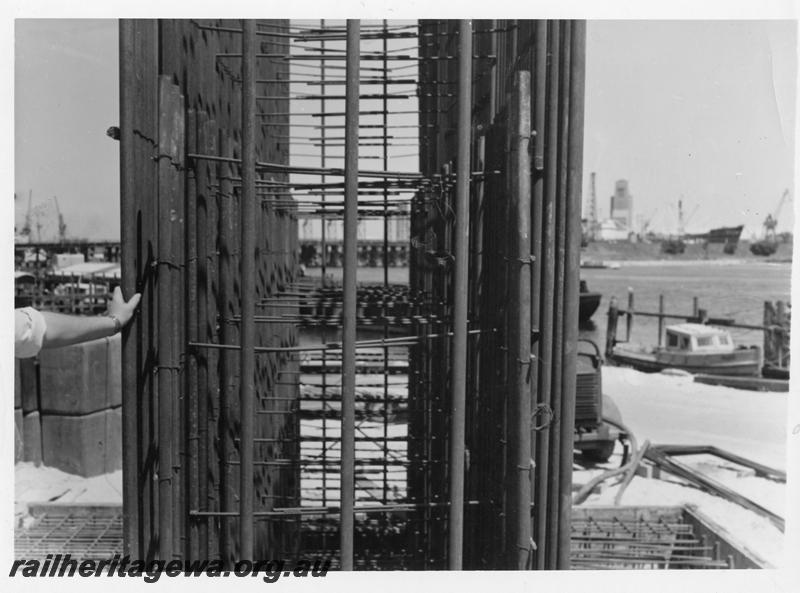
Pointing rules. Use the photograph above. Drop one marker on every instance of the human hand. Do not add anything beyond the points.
(120, 309)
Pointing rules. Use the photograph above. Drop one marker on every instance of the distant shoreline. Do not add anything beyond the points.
(626, 253)
(691, 262)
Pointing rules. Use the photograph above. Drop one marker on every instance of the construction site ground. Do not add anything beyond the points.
(661, 409)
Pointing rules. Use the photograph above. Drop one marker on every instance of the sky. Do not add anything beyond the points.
(66, 97)
(698, 111)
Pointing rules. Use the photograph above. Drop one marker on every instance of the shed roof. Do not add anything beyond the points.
(104, 269)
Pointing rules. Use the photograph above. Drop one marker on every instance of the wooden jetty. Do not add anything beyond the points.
(774, 372)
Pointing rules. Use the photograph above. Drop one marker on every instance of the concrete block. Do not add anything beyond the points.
(113, 459)
(19, 442)
(29, 384)
(115, 371)
(87, 444)
(81, 379)
(32, 438)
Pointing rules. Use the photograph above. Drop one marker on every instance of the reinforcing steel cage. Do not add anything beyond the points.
(358, 248)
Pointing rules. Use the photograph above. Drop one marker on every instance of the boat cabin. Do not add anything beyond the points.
(695, 337)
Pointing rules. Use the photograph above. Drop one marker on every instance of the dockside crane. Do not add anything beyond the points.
(771, 222)
(26, 228)
(62, 226)
(646, 223)
(769, 244)
(684, 220)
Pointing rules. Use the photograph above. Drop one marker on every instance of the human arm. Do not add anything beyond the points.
(64, 330)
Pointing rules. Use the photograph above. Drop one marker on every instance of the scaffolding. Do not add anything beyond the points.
(380, 422)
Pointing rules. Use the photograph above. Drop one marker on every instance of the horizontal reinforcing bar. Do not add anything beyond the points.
(318, 170)
(401, 341)
(294, 511)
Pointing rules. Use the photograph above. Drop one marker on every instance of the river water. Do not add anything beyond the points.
(736, 290)
(723, 288)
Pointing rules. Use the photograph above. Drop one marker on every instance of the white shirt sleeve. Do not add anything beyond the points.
(29, 328)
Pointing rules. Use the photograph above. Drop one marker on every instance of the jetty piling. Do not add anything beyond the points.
(629, 312)
(777, 324)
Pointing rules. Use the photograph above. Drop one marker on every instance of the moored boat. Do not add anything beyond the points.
(692, 347)
(589, 302)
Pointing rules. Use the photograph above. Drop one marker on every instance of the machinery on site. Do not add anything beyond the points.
(595, 437)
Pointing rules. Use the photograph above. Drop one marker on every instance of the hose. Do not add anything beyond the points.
(628, 468)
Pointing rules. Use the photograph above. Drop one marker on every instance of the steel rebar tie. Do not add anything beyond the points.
(162, 262)
(542, 409)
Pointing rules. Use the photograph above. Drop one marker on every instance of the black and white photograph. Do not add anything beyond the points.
(357, 289)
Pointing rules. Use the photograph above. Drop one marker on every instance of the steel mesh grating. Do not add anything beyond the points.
(622, 538)
(84, 534)
(646, 538)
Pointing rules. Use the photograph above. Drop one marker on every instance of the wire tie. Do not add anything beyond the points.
(542, 409)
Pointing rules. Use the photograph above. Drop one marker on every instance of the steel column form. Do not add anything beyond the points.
(178, 366)
(349, 264)
(226, 335)
(248, 273)
(208, 406)
(546, 291)
(182, 436)
(460, 299)
(169, 111)
(574, 165)
(537, 214)
(129, 211)
(560, 164)
(205, 135)
(518, 531)
(191, 482)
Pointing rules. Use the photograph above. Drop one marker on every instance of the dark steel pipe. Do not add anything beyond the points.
(147, 123)
(562, 59)
(128, 228)
(248, 273)
(349, 310)
(226, 335)
(577, 69)
(519, 327)
(165, 314)
(191, 483)
(460, 296)
(547, 291)
(537, 212)
(176, 327)
(204, 366)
